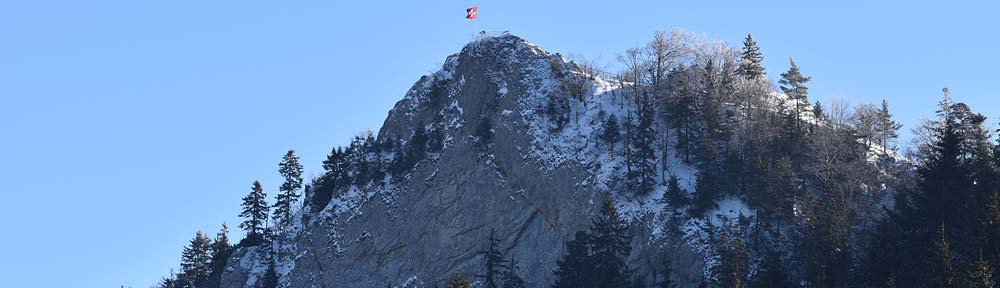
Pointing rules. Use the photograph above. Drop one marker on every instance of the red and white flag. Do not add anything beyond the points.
(470, 13)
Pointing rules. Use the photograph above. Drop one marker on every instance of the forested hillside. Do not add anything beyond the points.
(516, 167)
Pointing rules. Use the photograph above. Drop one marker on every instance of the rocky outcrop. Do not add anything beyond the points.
(533, 185)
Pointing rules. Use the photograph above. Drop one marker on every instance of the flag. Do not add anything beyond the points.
(470, 13)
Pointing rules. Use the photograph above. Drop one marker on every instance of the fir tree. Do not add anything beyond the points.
(610, 133)
(981, 274)
(945, 274)
(772, 274)
(676, 196)
(610, 244)
(575, 269)
(751, 60)
(828, 241)
(793, 84)
(888, 129)
(221, 250)
(734, 265)
(254, 213)
(291, 171)
(196, 261)
(642, 158)
(270, 277)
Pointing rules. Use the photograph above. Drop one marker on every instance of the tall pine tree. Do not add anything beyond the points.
(196, 261)
(254, 214)
(288, 194)
(751, 60)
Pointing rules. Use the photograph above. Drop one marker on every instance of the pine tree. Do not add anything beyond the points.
(734, 257)
(642, 158)
(610, 244)
(751, 60)
(991, 227)
(828, 242)
(493, 262)
(945, 275)
(254, 214)
(221, 250)
(196, 261)
(888, 130)
(772, 274)
(981, 274)
(575, 269)
(676, 196)
(793, 84)
(270, 278)
(610, 133)
(291, 171)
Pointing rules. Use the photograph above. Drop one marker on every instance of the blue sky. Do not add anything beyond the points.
(128, 125)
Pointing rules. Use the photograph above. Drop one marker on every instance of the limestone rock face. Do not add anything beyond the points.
(533, 183)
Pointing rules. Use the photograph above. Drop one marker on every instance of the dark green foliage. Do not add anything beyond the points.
(597, 258)
(254, 214)
(610, 133)
(734, 257)
(641, 175)
(676, 196)
(827, 243)
(793, 84)
(574, 269)
(980, 274)
(288, 194)
(751, 60)
(270, 277)
(610, 245)
(221, 250)
(416, 150)
(888, 129)
(772, 273)
(196, 261)
(945, 273)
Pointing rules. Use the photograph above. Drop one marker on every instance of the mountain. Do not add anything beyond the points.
(710, 168)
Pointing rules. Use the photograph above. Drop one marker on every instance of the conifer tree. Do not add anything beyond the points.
(291, 171)
(642, 158)
(828, 241)
(793, 84)
(733, 265)
(254, 213)
(221, 250)
(676, 196)
(772, 274)
(981, 274)
(610, 133)
(610, 244)
(196, 261)
(575, 269)
(945, 274)
(270, 278)
(751, 60)
(888, 129)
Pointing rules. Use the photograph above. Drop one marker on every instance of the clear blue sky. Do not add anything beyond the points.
(128, 125)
